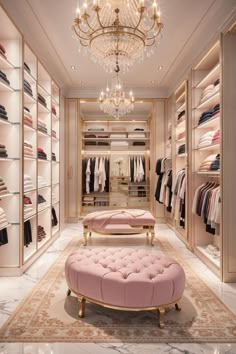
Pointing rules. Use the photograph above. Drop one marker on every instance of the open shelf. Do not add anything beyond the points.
(42, 108)
(5, 87)
(28, 98)
(210, 78)
(5, 63)
(209, 147)
(211, 123)
(29, 77)
(210, 102)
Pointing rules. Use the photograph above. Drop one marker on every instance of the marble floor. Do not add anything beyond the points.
(14, 289)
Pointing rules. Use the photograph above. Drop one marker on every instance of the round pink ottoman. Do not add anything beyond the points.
(125, 278)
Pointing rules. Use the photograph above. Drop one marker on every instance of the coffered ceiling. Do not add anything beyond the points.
(189, 26)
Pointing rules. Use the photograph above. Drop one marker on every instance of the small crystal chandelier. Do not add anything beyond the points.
(113, 100)
(123, 28)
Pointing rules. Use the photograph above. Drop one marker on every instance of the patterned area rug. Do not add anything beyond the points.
(48, 315)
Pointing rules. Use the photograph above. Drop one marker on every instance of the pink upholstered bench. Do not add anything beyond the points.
(125, 279)
(121, 221)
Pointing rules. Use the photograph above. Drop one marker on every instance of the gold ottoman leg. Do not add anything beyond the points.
(82, 302)
(68, 292)
(177, 307)
(161, 317)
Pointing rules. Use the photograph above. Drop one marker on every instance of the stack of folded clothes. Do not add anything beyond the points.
(41, 200)
(216, 137)
(118, 136)
(181, 135)
(90, 136)
(210, 90)
(89, 201)
(54, 111)
(42, 100)
(28, 207)
(41, 233)
(90, 143)
(27, 88)
(28, 185)
(27, 68)
(181, 149)
(181, 117)
(211, 163)
(139, 143)
(120, 143)
(54, 156)
(42, 182)
(41, 154)
(136, 135)
(42, 126)
(54, 133)
(215, 166)
(3, 51)
(3, 112)
(3, 187)
(28, 149)
(3, 151)
(209, 138)
(3, 219)
(4, 78)
(103, 143)
(28, 117)
(210, 114)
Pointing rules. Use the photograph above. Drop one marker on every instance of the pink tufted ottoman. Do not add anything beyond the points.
(119, 221)
(125, 279)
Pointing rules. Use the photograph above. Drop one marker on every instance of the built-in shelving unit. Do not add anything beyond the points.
(118, 142)
(26, 124)
(10, 140)
(206, 118)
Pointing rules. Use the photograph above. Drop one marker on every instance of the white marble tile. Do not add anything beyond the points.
(115, 348)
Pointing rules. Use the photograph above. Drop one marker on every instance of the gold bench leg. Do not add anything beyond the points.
(152, 236)
(177, 307)
(161, 317)
(82, 302)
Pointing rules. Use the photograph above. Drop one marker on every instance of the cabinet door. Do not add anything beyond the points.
(72, 156)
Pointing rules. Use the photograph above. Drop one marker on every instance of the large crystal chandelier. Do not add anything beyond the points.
(114, 101)
(126, 28)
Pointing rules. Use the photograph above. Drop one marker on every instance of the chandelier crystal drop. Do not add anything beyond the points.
(114, 101)
(123, 28)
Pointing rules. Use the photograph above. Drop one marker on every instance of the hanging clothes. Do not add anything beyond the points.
(160, 169)
(136, 169)
(178, 198)
(207, 205)
(95, 174)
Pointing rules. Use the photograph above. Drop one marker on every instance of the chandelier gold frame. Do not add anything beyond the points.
(123, 28)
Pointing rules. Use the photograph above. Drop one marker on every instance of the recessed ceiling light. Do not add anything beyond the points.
(153, 82)
(72, 67)
(160, 67)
